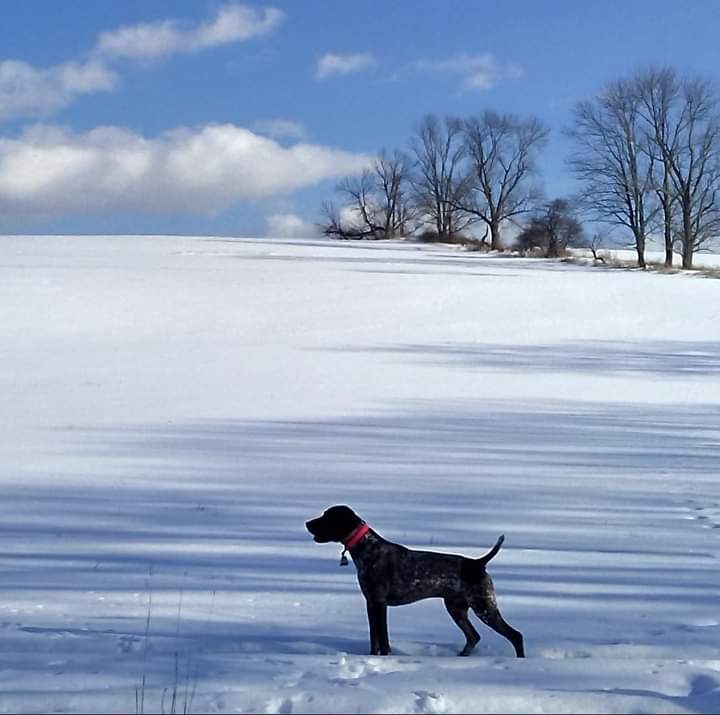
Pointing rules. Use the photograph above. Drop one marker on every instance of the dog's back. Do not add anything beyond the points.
(407, 575)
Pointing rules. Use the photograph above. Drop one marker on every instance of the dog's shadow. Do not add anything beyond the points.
(295, 645)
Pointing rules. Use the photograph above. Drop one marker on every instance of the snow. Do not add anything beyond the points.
(175, 408)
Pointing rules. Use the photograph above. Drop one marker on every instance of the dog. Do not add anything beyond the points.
(393, 575)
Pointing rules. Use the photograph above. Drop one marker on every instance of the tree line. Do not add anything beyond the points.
(645, 153)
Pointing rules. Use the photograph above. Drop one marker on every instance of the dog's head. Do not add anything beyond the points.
(335, 524)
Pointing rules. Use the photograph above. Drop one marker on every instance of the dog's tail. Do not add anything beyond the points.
(483, 560)
(472, 570)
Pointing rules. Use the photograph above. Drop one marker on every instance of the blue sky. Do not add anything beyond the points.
(220, 117)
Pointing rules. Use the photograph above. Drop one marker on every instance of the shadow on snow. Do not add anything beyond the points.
(597, 504)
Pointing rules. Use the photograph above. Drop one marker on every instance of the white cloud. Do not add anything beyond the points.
(27, 91)
(478, 72)
(232, 23)
(289, 226)
(51, 171)
(30, 91)
(331, 65)
(281, 129)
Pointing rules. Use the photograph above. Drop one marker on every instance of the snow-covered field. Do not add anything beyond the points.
(174, 409)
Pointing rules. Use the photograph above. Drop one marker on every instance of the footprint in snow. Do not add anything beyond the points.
(280, 705)
(429, 702)
(129, 644)
(707, 514)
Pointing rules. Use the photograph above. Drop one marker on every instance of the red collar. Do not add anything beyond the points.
(353, 538)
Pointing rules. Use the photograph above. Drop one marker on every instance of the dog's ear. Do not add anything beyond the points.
(341, 520)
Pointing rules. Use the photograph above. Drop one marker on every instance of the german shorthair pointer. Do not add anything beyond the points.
(393, 575)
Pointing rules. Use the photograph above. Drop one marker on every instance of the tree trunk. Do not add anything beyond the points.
(495, 237)
(687, 257)
(688, 242)
(667, 218)
(439, 220)
(640, 248)
(668, 245)
(552, 249)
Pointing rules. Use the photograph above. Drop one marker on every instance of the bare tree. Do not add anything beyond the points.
(682, 119)
(658, 93)
(552, 230)
(502, 149)
(613, 163)
(357, 218)
(440, 180)
(376, 203)
(595, 243)
(334, 226)
(394, 211)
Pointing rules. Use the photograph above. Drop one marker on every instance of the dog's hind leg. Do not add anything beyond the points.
(458, 611)
(489, 614)
(482, 601)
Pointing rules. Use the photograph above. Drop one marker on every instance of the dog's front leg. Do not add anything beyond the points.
(383, 628)
(372, 622)
(377, 620)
